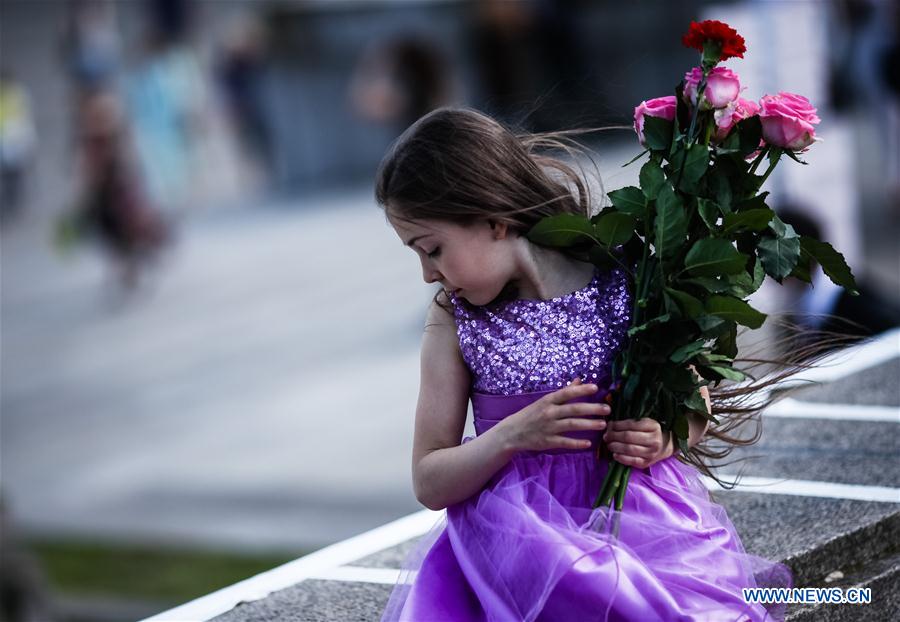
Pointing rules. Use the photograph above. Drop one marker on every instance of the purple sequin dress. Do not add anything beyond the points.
(529, 546)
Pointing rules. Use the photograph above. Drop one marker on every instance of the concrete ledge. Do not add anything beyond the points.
(881, 576)
(856, 524)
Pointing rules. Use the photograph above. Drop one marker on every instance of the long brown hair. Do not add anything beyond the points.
(458, 165)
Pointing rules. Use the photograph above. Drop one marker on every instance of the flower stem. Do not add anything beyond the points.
(767, 173)
(701, 88)
(759, 158)
(623, 485)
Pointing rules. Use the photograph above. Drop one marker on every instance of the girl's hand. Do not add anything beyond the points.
(541, 424)
(638, 443)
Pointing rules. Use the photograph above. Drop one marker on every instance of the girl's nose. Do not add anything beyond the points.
(429, 275)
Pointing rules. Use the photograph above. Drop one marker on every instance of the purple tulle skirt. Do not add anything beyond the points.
(530, 547)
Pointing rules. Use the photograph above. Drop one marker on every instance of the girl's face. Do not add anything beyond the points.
(475, 261)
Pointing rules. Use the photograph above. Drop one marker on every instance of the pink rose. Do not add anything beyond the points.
(722, 87)
(788, 121)
(727, 117)
(662, 107)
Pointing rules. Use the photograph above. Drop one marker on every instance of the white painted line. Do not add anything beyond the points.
(291, 573)
(759, 485)
(807, 488)
(329, 563)
(789, 408)
(388, 576)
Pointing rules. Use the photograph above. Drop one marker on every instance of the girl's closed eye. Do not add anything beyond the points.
(435, 252)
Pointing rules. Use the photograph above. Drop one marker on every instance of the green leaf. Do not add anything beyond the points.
(681, 428)
(629, 200)
(676, 157)
(726, 343)
(732, 144)
(561, 230)
(743, 284)
(671, 306)
(677, 378)
(793, 156)
(802, 269)
(657, 133)
(609, 209)
(832, 263)
(750, 131)
(782, 229)
(746, 243)
(696, 162)
(735, 310)
(686, 351)
(711, 325)
(601, 256)
(720, 182)
(651, 179)
(757, 202)
(711, 358)
(752, 219)
(631, 384)
(714, 257)
(689, 305)
(727, 372)
(720, 372)
(660, 319)
(671, 224)
(697, 404)
(615, 228)
(690, 165)
(778, 255)
(635, 158)
(709, 283)
(709, 212)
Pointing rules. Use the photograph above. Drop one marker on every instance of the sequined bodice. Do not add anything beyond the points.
(523, 345)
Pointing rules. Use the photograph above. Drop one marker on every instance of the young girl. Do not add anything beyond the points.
(528, 334)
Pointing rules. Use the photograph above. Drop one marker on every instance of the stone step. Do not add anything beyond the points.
(826, 498)
(881, 576)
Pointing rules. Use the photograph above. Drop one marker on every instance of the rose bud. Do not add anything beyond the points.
(788, 121)
(727, 117)
(722, 87)
(663, 107)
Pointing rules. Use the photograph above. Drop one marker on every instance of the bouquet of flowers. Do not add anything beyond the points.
(696, 237)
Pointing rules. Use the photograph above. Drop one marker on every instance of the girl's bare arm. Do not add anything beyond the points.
(445, 472)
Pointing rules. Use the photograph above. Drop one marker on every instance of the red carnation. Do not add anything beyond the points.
(725, 36)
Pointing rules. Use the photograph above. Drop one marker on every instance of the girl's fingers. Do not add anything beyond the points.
(641, 425)
(631, 461)
(571, 443)
(584, 408)
(630, 450)
(630, 436)
(570, 392)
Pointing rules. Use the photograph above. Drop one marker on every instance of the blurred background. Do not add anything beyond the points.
(210, 334)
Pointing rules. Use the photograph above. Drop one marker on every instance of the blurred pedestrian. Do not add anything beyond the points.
(17, 142)
(91, 46)
(397, 81)
(241, 72)
(112, 206)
